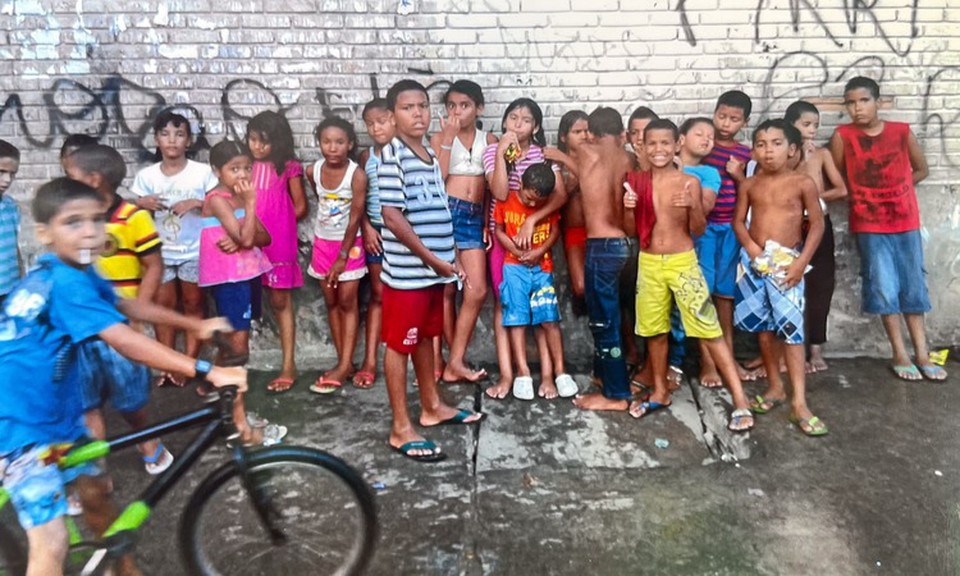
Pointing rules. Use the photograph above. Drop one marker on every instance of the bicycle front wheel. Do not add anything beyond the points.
(323, 510)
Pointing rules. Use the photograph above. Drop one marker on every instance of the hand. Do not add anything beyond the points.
(809, 149)
(487, 239)
(531, 257)
(735, 168)
(227, 245)
(336, 269)
(207, 327)
(449, 128)
(682, 198)
(151, 203)
(553, 154)
(794, 274)
(753, 251)
(372, 242)
(524, 237)
(508, 139)
(245, 190)
(228, 376)
(629, 196)
(184, 206)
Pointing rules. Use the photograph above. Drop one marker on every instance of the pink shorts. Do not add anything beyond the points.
(497, 255)
(325, 254)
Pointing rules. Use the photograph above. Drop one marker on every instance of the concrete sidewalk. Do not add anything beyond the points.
(543, 488)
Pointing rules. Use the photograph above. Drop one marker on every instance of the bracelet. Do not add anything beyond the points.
(342, 254)
(202, 369)
(445, 147)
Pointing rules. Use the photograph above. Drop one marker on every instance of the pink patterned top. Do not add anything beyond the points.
(275, 210)
(218, 267)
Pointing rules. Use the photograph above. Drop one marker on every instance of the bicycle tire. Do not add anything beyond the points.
(279, 471)
(13, 558)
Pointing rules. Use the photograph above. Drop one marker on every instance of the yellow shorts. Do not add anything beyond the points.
(665, 278)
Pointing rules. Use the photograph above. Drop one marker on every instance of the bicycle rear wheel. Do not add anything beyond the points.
(323, 507)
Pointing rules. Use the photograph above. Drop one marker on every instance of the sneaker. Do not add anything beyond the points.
(159, 462)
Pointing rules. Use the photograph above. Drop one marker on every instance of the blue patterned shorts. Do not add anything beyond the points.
(761, 306)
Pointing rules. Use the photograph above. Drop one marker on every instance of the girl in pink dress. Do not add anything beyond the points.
(278, 179)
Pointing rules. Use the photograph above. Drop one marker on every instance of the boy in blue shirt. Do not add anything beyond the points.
(11, 265)
(55, 307)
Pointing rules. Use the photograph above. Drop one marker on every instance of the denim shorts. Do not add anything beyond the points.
(894, 279)
(467, 224)
(106, 375)
(528, 296)
(374, 258)
(239, 302)
(718, 252)
(38, 489)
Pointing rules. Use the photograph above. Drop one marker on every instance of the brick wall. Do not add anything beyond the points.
(105, 67)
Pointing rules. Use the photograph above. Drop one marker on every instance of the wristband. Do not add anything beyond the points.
(343, 254)
(202, 369)
(445, 147)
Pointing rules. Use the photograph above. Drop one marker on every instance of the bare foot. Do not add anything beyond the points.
(283, 381)
(817, 364)
(674, 378)
(597, 401)
(709, 378)
(548, 389)
(500, 390)
(339, 373)
(460, 373)
(748, 375)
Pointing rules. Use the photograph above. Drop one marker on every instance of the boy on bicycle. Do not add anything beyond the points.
(55, 307)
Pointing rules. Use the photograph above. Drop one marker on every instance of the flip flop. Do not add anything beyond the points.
(364, 379)
(280, 385)
(906, 372)
(459, 418)
(649, 407)
(712, 386)
(523, 388)
(325, 386)
(761, 405)
(738, 417)
(933, 372)
(811, 426)
(405, 449)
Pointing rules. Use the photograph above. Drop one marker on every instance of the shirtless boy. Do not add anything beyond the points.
(602, 165)
(774, 307)
(665, 207)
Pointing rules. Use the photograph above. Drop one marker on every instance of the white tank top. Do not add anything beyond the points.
(333, 207)
(465, 162)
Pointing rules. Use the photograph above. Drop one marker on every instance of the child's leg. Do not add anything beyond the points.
(138, 420)
(449, 314)
(48, 545)
(281, 302)
(474, 264)
(349, 314)
(99, 512)
(504, 363)
(239, 346)
(918, 334)
(373, 325)
(167, 297)
(518, 347)
(794, 355)
(728, 369)
(192, 300)
(891, 325)
(546, 363)
(553, 358)
(771, 350)
(330, 296)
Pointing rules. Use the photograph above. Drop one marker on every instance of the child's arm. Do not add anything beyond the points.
(740, 220)
(442, 142)
(811, 203)
(917, 160)
(554, 203)
(837, 189)
(629, 210)
(311, 180)
(507, 242)
(394, 220)
(534, 256)
(836, 152)
(152, 266)
(299, 197)
(499, 179)
(556, 155)
(691, 198)
(246, 235)
(358, 208)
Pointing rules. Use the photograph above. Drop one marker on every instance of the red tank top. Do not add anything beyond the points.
(880, 179)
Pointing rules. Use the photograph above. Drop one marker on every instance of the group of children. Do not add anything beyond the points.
(708, 233)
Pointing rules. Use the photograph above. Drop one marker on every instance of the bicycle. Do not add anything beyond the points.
(292, 490)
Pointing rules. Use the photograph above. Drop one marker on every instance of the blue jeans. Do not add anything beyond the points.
(605, 260)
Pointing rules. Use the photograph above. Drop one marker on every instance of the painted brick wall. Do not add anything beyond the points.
(105, 67)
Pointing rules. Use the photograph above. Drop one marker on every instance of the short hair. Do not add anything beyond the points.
(789, 130)
(168, 116)
(642, 113)
(540, 178)
(605, 121)
(406, 85)
(798, 109)
(52, 196)
(735, 99)
(863, 82)
(689, 123)
(8, 150)
(338, 122)
(566, 124)
(74, 141)
(101, 159)
(662, 124)
(377, 103)
(226, 150)
(468, 88)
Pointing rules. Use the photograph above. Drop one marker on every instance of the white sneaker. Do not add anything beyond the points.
(523, 388)
(273, 434)
(566, 386)
(159, 462)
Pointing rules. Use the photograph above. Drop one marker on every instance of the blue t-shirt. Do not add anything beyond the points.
(53, 308)
(707, 175)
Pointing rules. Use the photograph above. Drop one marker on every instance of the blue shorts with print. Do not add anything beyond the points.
(894, 279)
(718, 252)
(467, 224)
(528, 296)
(106, 375)
(38, 490)
(762, 306)
(239, 302)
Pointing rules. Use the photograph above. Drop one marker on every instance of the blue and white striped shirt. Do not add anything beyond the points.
(9, 228)
(416, 188)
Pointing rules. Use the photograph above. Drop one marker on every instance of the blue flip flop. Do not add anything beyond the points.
(649, 407)
(460, 418)
(435, 456)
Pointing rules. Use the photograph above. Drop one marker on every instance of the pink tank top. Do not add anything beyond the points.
(218, 267)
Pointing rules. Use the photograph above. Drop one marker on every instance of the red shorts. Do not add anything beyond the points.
(575, 236)
(411, 316)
